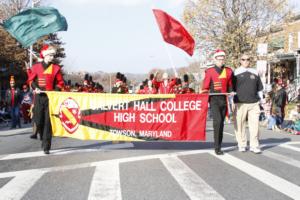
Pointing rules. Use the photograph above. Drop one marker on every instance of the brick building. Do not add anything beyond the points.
(284, 55)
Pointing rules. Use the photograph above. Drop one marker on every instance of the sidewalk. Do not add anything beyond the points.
(6, 131)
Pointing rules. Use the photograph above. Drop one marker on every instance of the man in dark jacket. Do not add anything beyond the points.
(13, 99)
(249, 93)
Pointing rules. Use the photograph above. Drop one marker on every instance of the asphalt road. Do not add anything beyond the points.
(148, 170)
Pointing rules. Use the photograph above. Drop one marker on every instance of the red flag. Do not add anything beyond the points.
(173, 32)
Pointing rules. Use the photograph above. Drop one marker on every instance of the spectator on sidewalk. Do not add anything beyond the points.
(267, 109)
(291, 124)
(279, 103)
(13, 99)
(26, 104)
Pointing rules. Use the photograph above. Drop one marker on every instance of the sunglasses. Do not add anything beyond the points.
(248, 59)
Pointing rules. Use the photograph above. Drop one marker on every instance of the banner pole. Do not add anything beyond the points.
(216, 94)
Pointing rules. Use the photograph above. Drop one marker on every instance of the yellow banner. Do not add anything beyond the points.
(79, 115)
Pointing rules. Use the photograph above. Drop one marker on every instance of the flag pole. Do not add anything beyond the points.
(170, 59)
(167, 49)
(33, 2)
(33, 54)
(31, 46)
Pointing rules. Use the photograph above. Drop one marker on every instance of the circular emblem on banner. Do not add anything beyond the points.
(69, 114)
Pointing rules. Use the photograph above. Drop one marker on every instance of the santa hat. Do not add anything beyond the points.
(12, 79)
(219, 52)
(47, 50)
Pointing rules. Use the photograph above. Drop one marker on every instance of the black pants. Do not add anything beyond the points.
(218, 108)
(42, 119)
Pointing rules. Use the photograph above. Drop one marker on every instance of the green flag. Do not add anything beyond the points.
(28, 26)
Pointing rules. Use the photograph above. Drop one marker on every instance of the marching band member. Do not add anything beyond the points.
(218, 79)
(45, 76)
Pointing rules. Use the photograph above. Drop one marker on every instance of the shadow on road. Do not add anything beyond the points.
(163, 145)
(148, 145)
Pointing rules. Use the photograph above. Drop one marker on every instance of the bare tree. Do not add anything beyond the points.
(9, 8)
(233, 25)
(11, 50)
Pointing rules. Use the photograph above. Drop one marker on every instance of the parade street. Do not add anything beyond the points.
(155, 170)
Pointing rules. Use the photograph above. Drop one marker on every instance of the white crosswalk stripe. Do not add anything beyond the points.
(191, 183)
(290, 147)
(273, 181)
(18, 186)
(281, 158)
(106, 181)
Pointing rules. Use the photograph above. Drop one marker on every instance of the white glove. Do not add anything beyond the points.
(37, 91)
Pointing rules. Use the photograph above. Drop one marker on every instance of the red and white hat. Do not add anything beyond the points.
(219, 52)
(46, 50)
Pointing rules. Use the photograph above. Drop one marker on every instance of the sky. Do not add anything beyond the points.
(118, 35)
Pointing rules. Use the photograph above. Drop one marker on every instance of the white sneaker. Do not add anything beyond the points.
(255, 150)
(242, 149)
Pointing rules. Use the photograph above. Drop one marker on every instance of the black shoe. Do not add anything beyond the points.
(46, 152)
(33, 136)
(219, 152)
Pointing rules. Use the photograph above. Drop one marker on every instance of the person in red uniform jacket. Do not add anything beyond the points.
(165, 86)
(150, 89)
(45, 76)
(218, 79)
(186, 86)
(13, 98)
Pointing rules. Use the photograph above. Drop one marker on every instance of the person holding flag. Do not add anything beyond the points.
(218, 82)
(166, 86)
(45, 76)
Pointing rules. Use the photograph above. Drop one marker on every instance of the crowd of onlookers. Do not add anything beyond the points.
(15, 106)
(276, 113)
